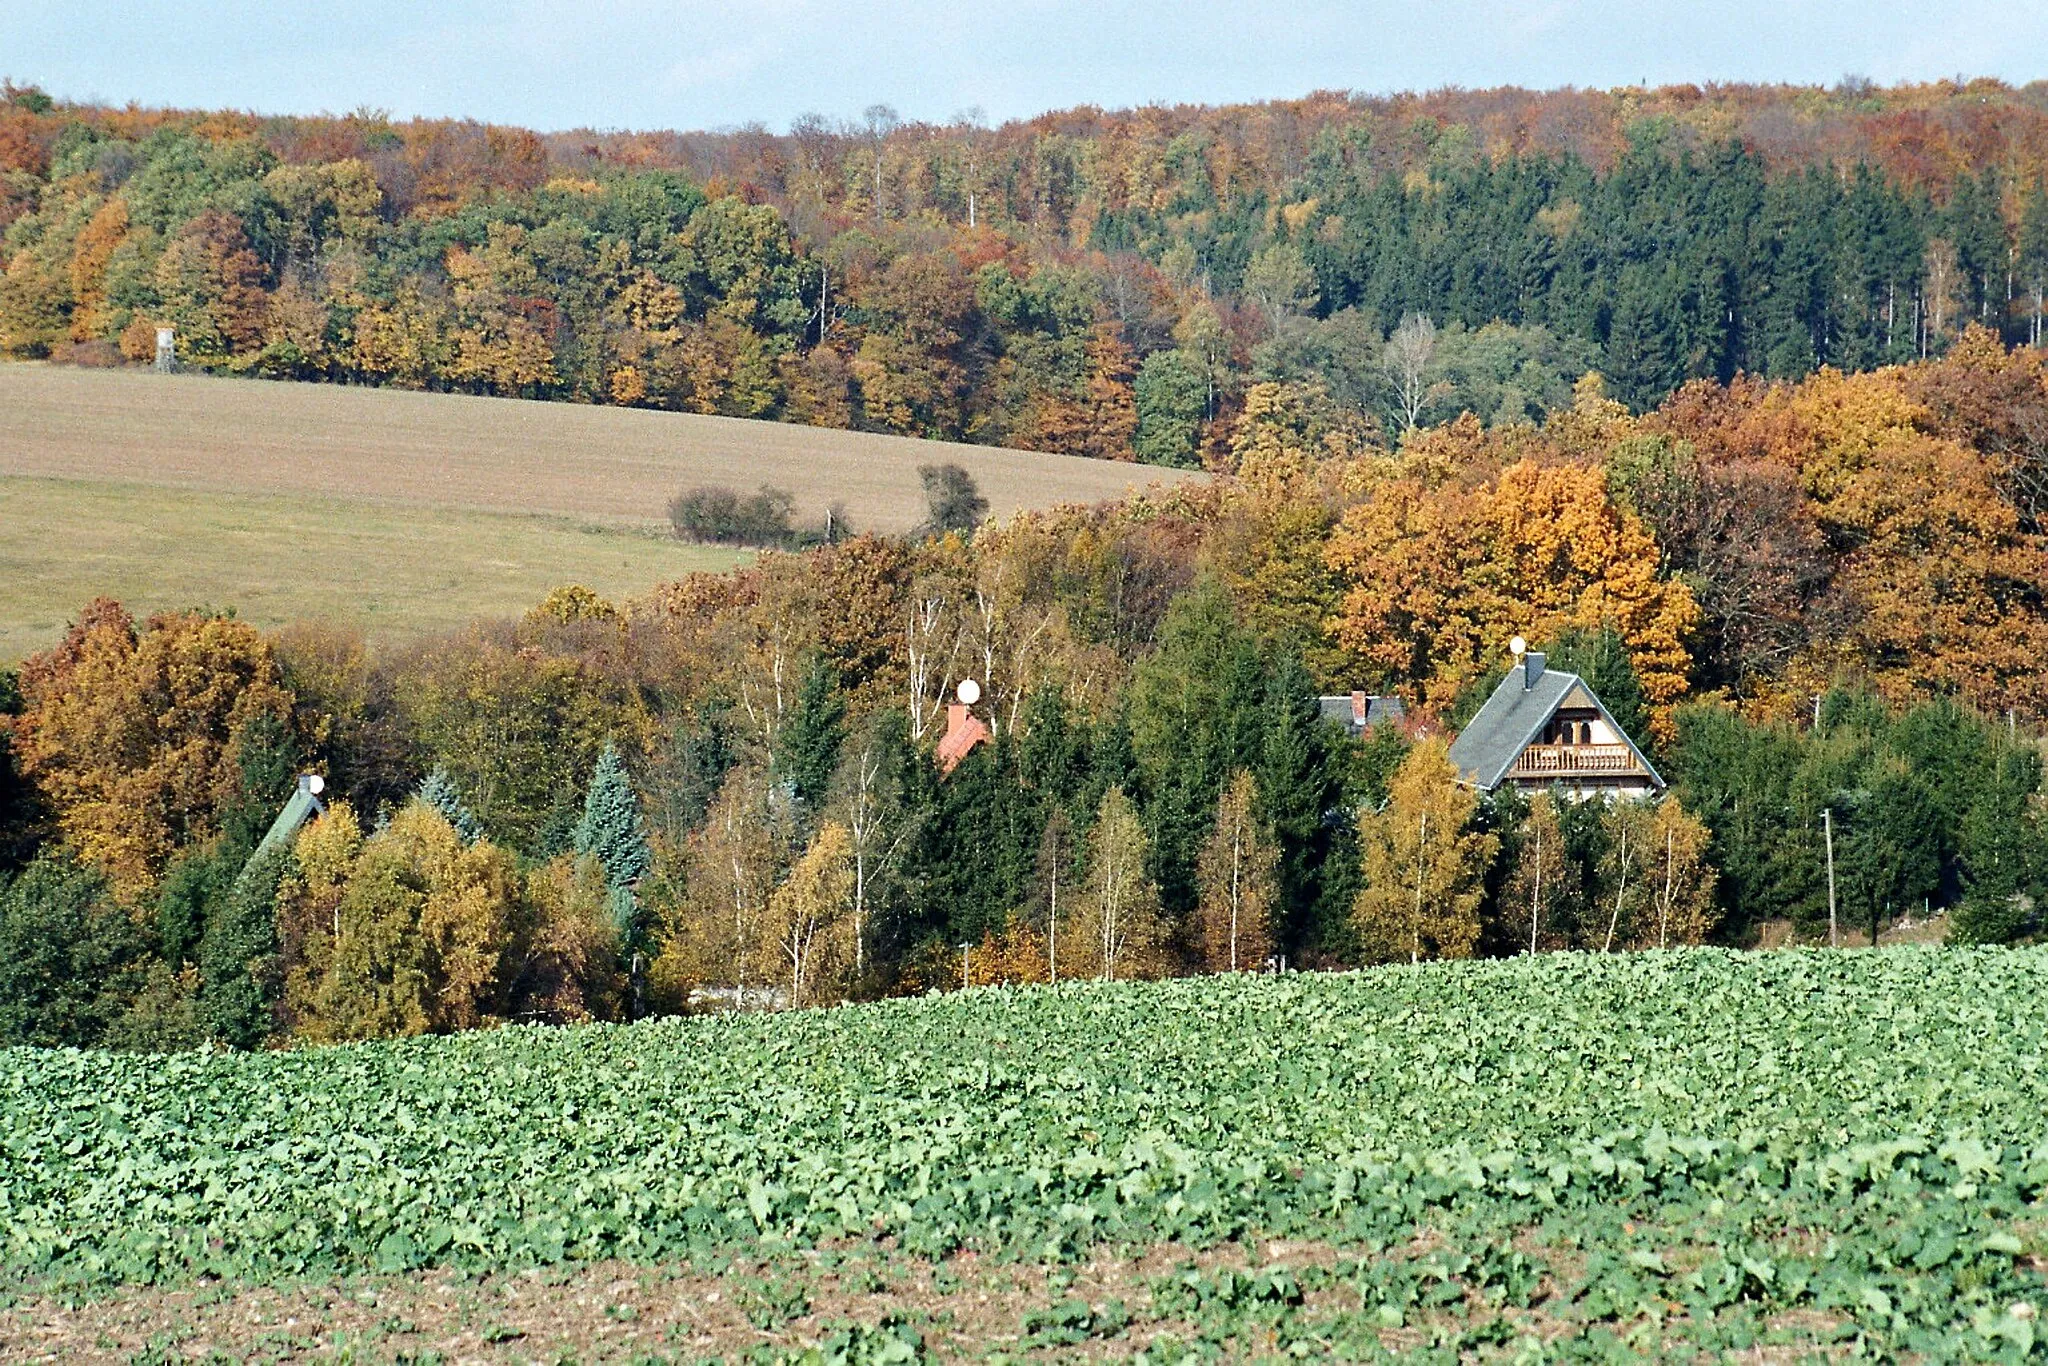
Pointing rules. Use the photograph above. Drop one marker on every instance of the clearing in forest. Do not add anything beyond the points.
(407, 511)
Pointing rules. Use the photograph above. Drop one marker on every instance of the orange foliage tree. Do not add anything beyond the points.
(1438, 577)
(132, 736)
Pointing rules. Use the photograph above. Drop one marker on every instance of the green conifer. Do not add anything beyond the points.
(437, 790)
(614, 833)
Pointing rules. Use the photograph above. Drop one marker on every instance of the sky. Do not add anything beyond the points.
(707, 64)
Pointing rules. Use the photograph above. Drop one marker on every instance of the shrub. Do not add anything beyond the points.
(71, 960)
(717, 515)
(952, 497)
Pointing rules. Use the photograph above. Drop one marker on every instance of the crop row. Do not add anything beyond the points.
(1867, 1130)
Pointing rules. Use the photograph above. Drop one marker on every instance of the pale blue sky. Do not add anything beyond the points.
(721, 63)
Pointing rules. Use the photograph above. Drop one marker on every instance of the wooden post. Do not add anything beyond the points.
(1827, 819)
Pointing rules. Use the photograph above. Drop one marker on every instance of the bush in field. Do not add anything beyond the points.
(716, 515)
(952, 499)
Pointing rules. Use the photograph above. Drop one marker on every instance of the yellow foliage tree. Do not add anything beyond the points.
(734, 860)
(423, 929)
(1424, 867)
(807, 944)
(1437, 578)
(1237, 874)
(568, 955)
(1680, 880)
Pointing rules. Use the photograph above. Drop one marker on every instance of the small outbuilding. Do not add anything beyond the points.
(1546, 729)
(1360, 712)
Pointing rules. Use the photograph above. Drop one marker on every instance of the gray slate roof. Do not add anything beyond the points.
(1384, 709)
(1512, 719)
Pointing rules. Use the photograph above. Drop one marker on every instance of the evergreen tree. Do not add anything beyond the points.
(2032, 260)
(70, 958)
(807, 746)
(1641, 339)
(437, 790)
(238, 968)
(1293, 772)
(1171, 399)
(267, 761)
(1890, 862)
(2004, 855)
(193, 888)
(613, 832)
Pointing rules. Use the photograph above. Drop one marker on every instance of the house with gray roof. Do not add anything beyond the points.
(1360, 712)
(1546, 729)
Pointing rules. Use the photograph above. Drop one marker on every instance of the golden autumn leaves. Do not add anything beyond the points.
(1440, 576)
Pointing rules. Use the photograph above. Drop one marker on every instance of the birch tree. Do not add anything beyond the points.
(1238, 877)
(1424, 868)
(1117, 931)
(808, 914)
(1543, 889)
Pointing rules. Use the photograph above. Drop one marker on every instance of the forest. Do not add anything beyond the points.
(1818, 604)
(1115, 284)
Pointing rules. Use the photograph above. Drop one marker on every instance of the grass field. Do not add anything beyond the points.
(405, 511)
(275, 558)
(1692, 1155)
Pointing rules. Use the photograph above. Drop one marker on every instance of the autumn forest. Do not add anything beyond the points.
(1733, 400)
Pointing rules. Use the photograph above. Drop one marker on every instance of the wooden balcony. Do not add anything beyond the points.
(1576, 761)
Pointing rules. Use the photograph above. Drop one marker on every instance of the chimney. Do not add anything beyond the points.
(1532, 669)
(1359, 709)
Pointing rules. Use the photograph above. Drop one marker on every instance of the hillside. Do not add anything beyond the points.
(613, 466)
(1097, 283)
(1629, 1150)
(404, 512)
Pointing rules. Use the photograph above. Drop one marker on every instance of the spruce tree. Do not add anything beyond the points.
(437, 790)
(1294, 791)
(614, 833)
(238, 955)
(807, 747)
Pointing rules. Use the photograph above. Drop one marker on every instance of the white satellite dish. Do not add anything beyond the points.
(1518, 646)
(316, 784)
(969, 691)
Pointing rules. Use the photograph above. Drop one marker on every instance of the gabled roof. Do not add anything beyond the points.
(1380, 709)
(1516, 714)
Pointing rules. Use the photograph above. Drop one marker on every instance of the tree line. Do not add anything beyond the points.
(1819, 607)
(1112, 285)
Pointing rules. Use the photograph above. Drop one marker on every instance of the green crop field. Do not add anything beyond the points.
(1691, 1153)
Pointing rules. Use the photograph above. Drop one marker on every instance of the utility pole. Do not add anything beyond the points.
(963, 965)
(1827, 820)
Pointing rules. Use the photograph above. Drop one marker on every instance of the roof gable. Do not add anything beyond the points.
(1515, 715)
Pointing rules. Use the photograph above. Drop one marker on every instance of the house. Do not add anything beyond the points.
(1360, 712)
(964, 730)
(1546, 729)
